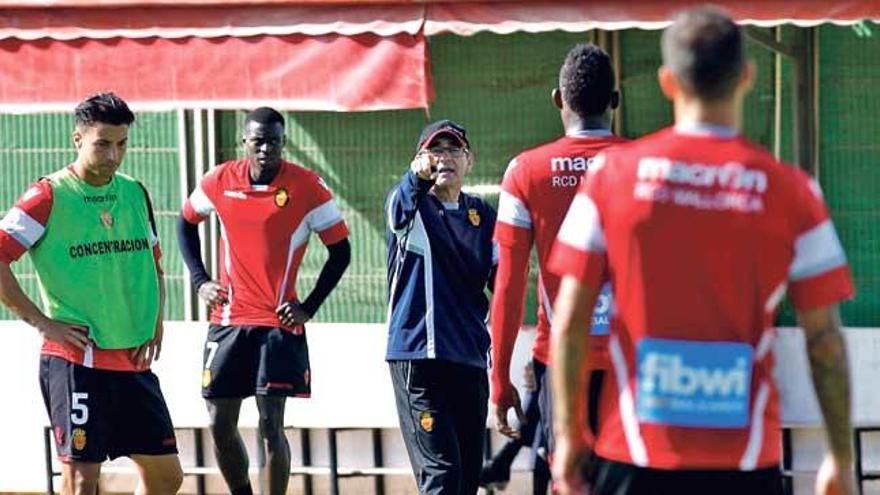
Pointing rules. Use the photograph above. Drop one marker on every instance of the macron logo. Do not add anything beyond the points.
(568, 164)
(667, 375)
(235, 194)
(730, 176)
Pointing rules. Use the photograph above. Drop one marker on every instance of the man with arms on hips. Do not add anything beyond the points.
(440, 261)
(256, 344)
(87, 225)
(701, 233)
(535, 194)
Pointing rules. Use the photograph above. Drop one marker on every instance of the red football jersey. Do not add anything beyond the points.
(700, 233)
(265, 231)
(536, 191)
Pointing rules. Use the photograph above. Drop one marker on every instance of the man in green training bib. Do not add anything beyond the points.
(92, 238)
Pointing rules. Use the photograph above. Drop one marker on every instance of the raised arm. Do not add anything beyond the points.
(403, 201)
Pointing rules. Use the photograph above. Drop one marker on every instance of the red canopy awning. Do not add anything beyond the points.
(330, 72)
(69, 19)
(345, 55)
(610, 15)
(209, 22)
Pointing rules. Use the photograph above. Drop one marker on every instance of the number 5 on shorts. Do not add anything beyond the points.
(79, 414)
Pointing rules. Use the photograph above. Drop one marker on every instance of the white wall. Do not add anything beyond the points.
(351, 387)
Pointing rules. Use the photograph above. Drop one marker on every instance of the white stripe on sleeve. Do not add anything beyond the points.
(513, 211)
(324, 216)
(582, 228)
(816, 251)
(200, 202)
(22, 227)
(510, 166)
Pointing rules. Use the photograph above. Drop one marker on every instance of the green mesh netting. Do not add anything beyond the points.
(499, 88)
(849, 99)
(35, 145)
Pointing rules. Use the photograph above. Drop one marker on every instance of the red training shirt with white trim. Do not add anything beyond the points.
(536, 191)
(265, 231)
(700, 234)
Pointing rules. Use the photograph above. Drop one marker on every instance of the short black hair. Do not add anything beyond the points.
(586, 79)
(265, 115)
(103, 108)
(704, 48)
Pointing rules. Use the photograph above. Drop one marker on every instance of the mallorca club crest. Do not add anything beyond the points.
(281, 197)
(106, 219)
(426, 421)
(78, 437)
(474, 217)
(206, 378)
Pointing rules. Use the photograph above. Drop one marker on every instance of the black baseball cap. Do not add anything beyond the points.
(441, 128)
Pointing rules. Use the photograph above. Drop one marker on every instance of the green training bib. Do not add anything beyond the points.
(95, 261)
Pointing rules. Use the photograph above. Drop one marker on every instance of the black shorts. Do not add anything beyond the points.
(545, 405)
(242, 361)
(99, 414)
(616, 478)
